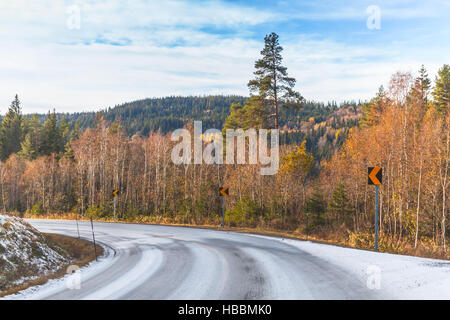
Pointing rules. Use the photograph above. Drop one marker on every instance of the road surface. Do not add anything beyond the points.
(165, 262)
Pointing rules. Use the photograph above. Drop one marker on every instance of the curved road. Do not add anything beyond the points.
(164, 262)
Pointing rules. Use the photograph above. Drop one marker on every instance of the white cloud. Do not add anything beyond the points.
(170, 49)
(332, 71)
(87, 77)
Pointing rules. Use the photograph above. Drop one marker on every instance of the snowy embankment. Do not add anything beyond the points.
(398, 276)
(25, 254)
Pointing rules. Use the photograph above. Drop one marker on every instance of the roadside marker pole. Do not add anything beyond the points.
(307, 226)
(93, 237)
(78, 229)
(223, 212)
(376, 217)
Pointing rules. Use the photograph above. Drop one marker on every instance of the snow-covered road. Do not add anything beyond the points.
(164, 262)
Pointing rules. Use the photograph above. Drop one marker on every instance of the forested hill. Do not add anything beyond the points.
(165, 114)
(169, 113)
(323, 126)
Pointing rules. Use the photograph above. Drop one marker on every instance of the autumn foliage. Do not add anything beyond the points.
(403, 130)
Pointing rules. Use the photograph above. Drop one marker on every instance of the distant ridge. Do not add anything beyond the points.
(172, 112)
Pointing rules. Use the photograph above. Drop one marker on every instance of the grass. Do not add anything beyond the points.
(80, 251)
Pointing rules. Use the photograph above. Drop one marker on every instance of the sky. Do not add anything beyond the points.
(83, 55)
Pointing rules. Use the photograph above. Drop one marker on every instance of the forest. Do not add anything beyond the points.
(54, 166)
(310, 121)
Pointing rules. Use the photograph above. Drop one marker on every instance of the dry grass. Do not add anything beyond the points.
(81, 253)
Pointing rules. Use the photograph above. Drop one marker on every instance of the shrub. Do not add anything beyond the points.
(96, 212)
(37, 209)
(245, 213)
(131, 213)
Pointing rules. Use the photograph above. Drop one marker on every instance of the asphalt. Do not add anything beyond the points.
(166, 262)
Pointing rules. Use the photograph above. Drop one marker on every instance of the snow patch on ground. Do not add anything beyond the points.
(25, 254)
(402, 277)
(55, 286)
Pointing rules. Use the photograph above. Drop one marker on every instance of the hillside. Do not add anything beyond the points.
(25, 253)
(323, 126)
(165, 114)
(170, 113)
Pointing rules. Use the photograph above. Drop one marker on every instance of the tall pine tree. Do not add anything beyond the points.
(11, 130)
(272, 81)
(372, 111)
(422, 85)
(441, 91)
(51, 135)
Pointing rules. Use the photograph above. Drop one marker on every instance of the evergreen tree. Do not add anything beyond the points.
(340, 204)
(422, 85)
(64, 133)
(251, 115)
(373, 110)
(73, 136)
(76, 131)
(441, 91)
(34, 131)
(51, 135)
(272, 81)
(11, 130)
(27, 151)
(316, 206)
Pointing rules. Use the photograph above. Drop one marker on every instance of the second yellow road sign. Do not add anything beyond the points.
(224, 191)
(375, 175)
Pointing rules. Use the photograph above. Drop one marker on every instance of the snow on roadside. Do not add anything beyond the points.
(25, 253)
(402, 277)
(55, 286)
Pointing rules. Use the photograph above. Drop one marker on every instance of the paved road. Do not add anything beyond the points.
(163, 262)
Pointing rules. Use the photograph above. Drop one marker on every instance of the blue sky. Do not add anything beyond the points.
(128, 50)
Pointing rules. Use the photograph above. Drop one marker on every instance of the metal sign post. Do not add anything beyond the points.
(115, 201)
(223, 212)
(224, 191)
(375, 177)
(376, 217)
(116, 196)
